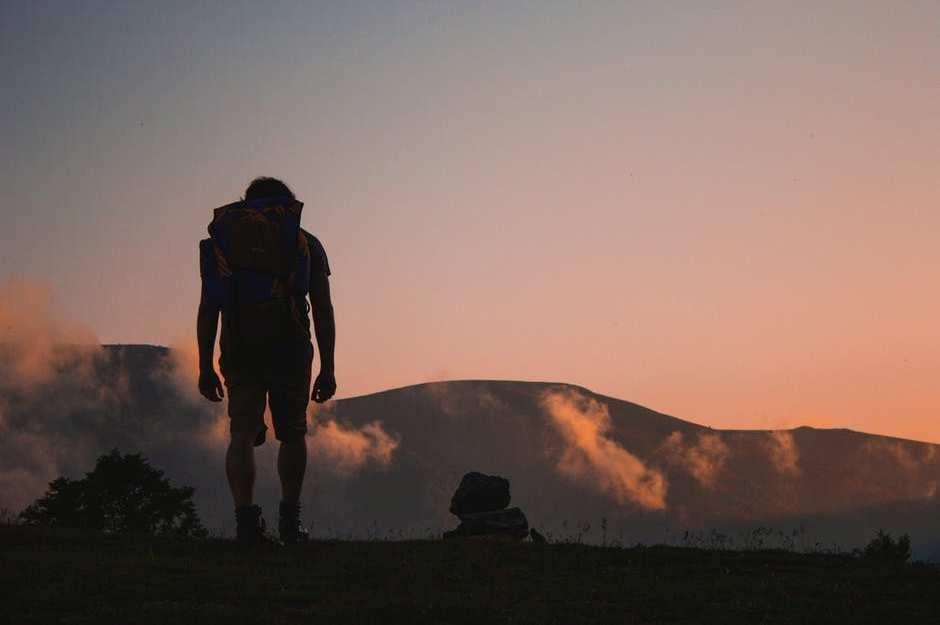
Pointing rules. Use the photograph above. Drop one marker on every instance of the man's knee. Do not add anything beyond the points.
(246, 437)
(246, 412)
(294, 437)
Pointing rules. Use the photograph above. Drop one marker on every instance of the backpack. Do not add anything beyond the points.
(262, 268)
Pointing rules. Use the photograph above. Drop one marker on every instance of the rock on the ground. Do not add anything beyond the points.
(510, 523)
(480, 493)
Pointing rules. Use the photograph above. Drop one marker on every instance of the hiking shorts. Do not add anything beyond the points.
(286, 392)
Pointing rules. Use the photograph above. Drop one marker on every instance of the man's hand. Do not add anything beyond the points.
(210, 386)
(324, 387)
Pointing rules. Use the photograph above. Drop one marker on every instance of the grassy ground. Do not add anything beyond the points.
(66, 577)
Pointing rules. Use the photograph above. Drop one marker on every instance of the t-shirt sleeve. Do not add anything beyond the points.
(206, 268)
(318, 260)
(213, 284)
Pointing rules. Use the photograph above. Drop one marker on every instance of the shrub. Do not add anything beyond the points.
(885, 548)
(7, 517)
(122, 494)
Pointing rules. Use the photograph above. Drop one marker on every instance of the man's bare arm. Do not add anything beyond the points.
(207, 323)
(324, 327)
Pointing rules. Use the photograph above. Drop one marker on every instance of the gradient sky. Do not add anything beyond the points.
(729, 213)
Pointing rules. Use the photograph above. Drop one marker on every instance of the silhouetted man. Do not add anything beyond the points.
(258, 267)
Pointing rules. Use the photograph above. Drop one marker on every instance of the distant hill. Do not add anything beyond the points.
(580, 464)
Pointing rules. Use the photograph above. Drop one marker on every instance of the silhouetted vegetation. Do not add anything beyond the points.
(122, 494)
(885, 548)
(7, 516)
(53, 575)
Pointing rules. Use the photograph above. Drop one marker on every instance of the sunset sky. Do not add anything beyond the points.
(727, 213)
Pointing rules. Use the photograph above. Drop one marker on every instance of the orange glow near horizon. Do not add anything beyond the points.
(727, 216)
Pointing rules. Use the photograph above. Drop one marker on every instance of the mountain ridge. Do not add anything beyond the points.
(389, 461)
(165, 350)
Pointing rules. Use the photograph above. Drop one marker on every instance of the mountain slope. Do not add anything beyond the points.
(710, 478)
(387, 463)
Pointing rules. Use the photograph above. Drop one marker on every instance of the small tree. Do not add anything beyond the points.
(122, 494)
(885, 548)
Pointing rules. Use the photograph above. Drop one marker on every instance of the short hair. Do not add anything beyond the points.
(266, 187)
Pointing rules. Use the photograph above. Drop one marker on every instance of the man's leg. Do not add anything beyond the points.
(289, 414)
(289, 401)
(240, 467)
(246, 410)
(246, 413)
(291, 467)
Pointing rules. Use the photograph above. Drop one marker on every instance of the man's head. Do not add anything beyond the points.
(265, 187)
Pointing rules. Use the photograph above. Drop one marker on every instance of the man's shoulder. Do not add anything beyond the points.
(318, 259)
(311, 239)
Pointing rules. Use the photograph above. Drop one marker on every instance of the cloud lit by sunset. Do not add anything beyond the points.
(593, 457)
(729, 217)
(470, 311)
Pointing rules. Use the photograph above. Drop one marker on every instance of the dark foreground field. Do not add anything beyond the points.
(63, 577)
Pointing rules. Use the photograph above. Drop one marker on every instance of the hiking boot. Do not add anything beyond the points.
(250, 526)
(289, 527)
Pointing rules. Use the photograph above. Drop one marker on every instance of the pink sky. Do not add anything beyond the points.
(726, 215)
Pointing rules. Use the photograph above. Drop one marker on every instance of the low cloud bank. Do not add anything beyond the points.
(461, 404)
(896, 452)
(783, 452)
(346, 449)
(591, 456)
(704, 459)
(65, 399)
(35, 342)
(51, 389)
